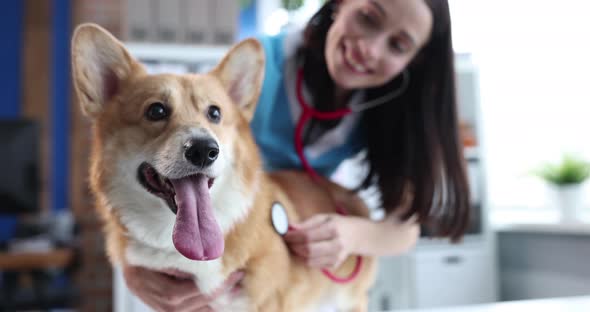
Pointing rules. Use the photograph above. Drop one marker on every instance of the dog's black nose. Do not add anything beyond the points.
(201, 152)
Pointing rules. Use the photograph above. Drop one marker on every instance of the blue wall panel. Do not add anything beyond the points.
(11, 26)
(10, 57)
(60, 101)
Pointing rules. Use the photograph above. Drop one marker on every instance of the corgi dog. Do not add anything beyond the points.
(180, 186)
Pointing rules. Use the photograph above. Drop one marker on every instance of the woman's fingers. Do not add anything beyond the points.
(163, 292)
(321, 262)
(322, 231)
(196, 303)
(170, 290)
(315, 250)
(319, 241)
(308, 236)
(313, 222)
(153, 303)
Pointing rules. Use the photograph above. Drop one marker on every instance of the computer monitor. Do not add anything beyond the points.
(19, 166)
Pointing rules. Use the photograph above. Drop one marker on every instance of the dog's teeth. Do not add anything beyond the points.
(168, 186)
(162, 180)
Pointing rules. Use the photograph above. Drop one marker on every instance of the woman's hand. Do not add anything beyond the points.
(163, 292)
(323, 241)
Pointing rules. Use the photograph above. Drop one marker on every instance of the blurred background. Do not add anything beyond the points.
(522, 73)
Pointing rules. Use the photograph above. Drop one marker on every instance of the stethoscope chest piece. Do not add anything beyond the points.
(279, 218)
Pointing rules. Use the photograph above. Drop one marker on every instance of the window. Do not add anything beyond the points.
(534, 63)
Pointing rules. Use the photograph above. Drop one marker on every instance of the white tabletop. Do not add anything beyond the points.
(569, 304)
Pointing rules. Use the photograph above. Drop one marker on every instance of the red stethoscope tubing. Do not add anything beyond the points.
(307, 113)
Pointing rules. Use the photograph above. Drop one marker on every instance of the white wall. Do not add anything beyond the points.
(534, 59)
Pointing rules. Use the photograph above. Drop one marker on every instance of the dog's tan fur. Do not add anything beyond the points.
(114, 90)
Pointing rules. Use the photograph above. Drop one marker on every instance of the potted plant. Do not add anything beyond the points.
(566, 178)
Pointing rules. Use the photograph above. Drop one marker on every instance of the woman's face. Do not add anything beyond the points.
(372, 41)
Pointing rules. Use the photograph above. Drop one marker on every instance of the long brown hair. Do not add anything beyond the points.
(413, 144)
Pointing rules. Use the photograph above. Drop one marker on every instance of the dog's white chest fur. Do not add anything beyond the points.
(150, 225)
(208, 273)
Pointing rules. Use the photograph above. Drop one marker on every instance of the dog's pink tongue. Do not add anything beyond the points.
(197, 235)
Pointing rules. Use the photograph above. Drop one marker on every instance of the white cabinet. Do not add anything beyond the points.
(436, 276)
(453, 276)
(391, 289)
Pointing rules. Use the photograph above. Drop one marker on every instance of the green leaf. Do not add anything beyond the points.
(570, 170)
(292, 5)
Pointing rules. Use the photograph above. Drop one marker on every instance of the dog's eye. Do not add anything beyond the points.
(157, 111)
(214, 113)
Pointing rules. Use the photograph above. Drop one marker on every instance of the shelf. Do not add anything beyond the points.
(57, 258)
(471, 153)
(476, 240)
(547, 228)
(182, 53)
(538, 220)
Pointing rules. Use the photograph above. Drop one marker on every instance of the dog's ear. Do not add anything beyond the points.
(100, 64)
(241, 73)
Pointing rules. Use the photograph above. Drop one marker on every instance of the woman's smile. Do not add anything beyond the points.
(353, 60)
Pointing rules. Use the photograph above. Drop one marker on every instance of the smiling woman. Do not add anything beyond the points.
(352, 54)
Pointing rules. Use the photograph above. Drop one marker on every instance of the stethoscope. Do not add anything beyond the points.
(278, 214)
(308, 112)
(279, 217)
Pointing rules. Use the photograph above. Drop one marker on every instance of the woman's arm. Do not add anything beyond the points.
(389, 237)
(326, 240)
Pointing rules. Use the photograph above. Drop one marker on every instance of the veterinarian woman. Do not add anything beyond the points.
(386, 67)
